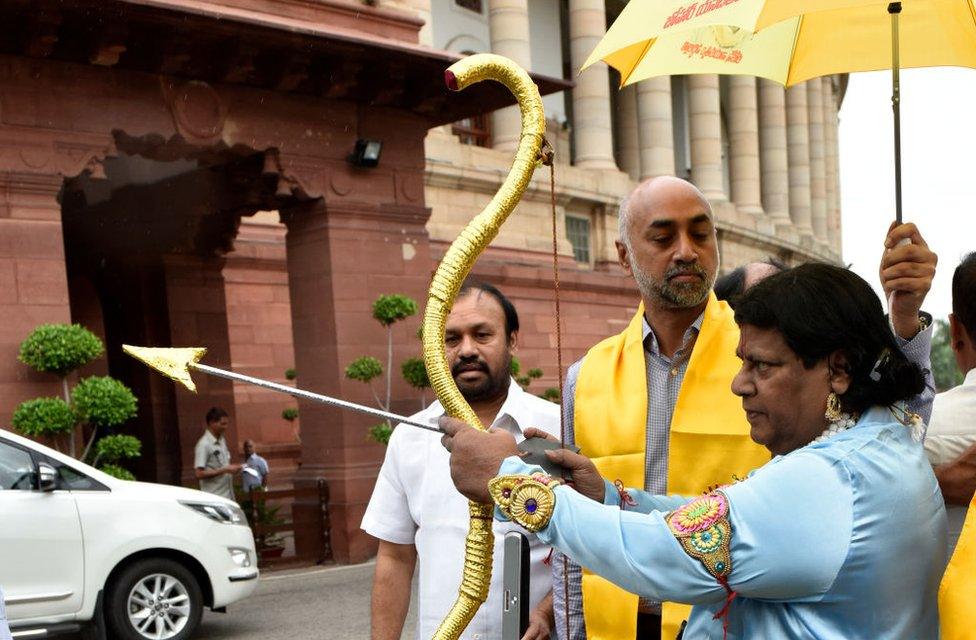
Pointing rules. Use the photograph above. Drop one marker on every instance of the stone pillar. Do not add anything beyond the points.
(365, 235)
(655, 130)
(197, 312)
(628, 141)
(509, 23)
(705, 117)
(818, 179)
(831, 162)
(33, 280)
(591, 96)
(798, 150)
(744, 142)
(773, 151)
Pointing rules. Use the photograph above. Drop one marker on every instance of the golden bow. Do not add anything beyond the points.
(447, 280)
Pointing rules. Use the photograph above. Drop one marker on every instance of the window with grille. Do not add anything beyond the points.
(578, 232)
(474, 130)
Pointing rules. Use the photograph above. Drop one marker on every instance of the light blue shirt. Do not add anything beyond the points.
(839, 539)
(249, 480)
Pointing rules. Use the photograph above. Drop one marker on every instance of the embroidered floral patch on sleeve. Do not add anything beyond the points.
(527, 500)
(704, 530)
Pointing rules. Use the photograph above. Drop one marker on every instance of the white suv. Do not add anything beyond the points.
(135, 561)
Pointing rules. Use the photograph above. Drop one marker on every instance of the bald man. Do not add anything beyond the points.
(671, 368)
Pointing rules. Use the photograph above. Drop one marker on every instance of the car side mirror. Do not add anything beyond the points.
(47, 477)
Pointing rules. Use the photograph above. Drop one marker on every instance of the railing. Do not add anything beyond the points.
(308, 522)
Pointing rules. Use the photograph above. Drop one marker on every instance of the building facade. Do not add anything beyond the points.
(177, 173)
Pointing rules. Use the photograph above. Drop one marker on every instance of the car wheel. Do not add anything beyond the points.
(154, 599)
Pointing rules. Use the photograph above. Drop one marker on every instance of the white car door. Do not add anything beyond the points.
(41, 549)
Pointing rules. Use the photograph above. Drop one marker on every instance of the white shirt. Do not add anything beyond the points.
(415, 502)
(952, 430)
(212, 453)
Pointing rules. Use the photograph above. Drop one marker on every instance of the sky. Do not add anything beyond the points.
(938, 126)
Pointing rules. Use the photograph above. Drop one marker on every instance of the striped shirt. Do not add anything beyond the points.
(664, 377)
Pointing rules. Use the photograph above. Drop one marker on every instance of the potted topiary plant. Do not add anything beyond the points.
(101, 403)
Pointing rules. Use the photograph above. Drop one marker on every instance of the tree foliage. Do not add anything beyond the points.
(117, 447)
(290, 414)
(103, 401)
(116, 471)
(381, 432)
(944, 368)
(59, 348)
(44, 417)
(551, 394)
(415, 373)
(99, 401)
(364, 369)
(388, 309)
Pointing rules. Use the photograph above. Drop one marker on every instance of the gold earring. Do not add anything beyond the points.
(834, 410)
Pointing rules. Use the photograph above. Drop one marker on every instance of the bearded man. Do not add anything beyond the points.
(676, 427)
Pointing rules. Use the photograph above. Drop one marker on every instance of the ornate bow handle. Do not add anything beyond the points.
(447, 280)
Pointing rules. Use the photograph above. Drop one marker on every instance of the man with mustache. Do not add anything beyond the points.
(415, 510)
(653, 406)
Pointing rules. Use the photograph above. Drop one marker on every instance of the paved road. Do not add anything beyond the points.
(310, 604)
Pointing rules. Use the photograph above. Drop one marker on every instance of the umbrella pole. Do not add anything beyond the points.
(895, 9)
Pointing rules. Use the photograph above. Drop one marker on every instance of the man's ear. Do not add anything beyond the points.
(623, 257)
(513, 342)
(957, 334)
(840, 377)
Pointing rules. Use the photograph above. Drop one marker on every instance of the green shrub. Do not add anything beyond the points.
(117, 472)
(103, 401)
(381, 432)
(390, 308)
(534, 373)
(364, 369)
(59, 348)
(44, 416)
(551, 394)
(290, 414)
(117, 447)
(290, 374)
(415, 373)
(516, 367)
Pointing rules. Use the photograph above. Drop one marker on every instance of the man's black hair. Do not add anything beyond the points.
(964, 294)
(731, 285)
(819, 309)
(511, 316)
(215, 414)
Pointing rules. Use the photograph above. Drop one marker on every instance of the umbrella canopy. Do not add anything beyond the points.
(839, 37)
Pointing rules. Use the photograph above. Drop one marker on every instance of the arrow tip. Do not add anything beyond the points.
(172, 362)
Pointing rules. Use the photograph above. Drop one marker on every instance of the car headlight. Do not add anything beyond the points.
(222, 513)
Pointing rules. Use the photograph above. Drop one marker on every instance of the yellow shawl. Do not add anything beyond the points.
(709, 439)
(957, 593)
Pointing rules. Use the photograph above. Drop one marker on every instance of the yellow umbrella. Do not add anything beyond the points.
(717, 36)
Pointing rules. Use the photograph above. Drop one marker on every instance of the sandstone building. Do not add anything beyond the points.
(176, 172)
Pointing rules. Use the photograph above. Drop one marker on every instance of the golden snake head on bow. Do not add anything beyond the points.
(447, 280)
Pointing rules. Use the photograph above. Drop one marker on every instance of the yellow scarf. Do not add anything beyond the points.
(709, 439)
(958, 589)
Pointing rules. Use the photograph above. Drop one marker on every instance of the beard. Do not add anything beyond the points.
(673, 294)
(493, 385)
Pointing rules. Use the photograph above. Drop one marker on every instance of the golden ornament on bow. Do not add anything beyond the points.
(447, 280)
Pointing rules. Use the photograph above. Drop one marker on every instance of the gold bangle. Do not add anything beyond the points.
(527, 500)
